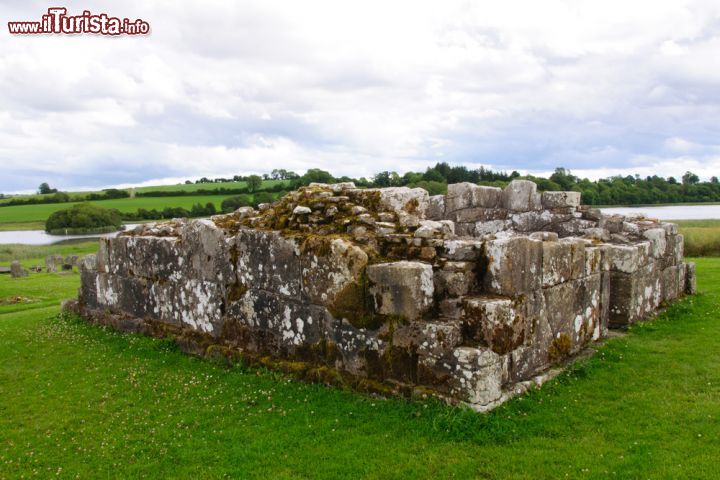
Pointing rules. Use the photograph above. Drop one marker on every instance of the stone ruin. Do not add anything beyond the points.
(471, 296)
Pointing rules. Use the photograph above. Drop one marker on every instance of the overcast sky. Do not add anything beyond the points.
(224, 88)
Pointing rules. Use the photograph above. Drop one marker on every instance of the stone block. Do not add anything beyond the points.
(514, 265)
(612, 223)
(403, 288)
(677, 253)
(494, 322)
(552, 200)
(436, 207)
(328, 267)
(588, 213)
(491, 227)
(670, 228)
(574, 311)
(596, 259)
(574, 227)
(658, 243)
(451, 308)
(597, 234)
(467, 195)
(152, 258)
(477, 214)
(630, 229)
(690, 279)
(452, 282)
(205, 250)
(544, 236)
(465, 229)
(604, 303)
(532, 221)
(413, 201)
(432, 339)
(17, 271)
(624, 307)
(52, 263)
(286, 323)
(532, 357)
(268, 261)
(521, 196)
(671, 288)
(625, 258)
(432, 228)
(562, 261)
(477, 378)
(88, 281)
(462, 250)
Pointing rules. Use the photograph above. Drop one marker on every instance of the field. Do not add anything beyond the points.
(19, 216)
(35, 255)
(702, 237)
(81, 401)
(181, 187)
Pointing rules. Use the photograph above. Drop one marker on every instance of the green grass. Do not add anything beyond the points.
(81, 401)
(157, 188)
(22, 214)
(702, 237)
(34, 255)
(34, 225)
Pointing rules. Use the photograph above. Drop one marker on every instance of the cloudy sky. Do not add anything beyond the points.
(224, 88)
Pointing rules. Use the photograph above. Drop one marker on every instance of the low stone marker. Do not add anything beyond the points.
(52, 262)
(16, 270)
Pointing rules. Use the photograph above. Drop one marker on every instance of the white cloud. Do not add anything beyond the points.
(222, 88)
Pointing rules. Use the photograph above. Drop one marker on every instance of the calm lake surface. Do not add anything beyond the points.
(674, 212)
(40, 237)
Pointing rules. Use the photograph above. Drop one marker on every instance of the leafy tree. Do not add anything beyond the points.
(690, 178)
(433, 175)
(81, 217)
(433, 188)
(315, 175)
(254, 182)
(564, 178)
(263, 197)
(45, 189)
(233, 203)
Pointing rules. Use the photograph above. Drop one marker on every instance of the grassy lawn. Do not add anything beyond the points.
(15, 217)
(35, 255)
(159, 188)
(702, 237)
(81, 401)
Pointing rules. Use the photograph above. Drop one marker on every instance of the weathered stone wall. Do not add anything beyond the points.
(470, 296)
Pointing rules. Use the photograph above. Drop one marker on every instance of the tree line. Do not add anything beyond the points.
(615, 190)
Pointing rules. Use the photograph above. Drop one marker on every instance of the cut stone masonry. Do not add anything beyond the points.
(471, 296)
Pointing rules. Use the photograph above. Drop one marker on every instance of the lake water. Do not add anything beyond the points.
(40, 237)
(673, 212)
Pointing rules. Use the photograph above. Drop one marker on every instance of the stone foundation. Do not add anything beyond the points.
(471, 296)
